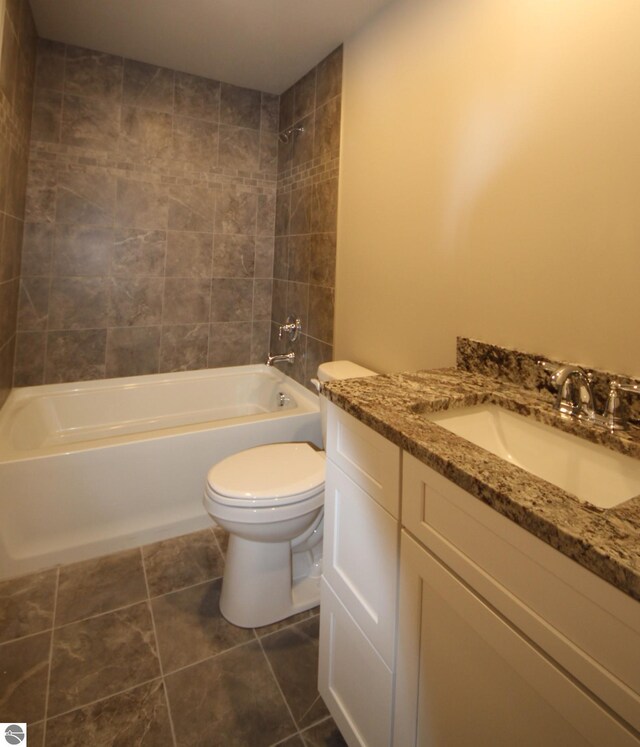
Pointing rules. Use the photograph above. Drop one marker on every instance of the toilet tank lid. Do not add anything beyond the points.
(332, 370)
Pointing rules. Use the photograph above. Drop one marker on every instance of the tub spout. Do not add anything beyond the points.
(286, 358)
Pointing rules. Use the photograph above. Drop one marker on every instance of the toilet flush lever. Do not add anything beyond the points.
(292, 327)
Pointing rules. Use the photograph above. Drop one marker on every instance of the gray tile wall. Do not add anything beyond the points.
(17, 64)
(150, 213)
(306, 215)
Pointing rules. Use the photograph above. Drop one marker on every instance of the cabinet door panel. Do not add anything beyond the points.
(360, 558)
(370, 460)
(588, 626)
(354, 681)
(479, 681)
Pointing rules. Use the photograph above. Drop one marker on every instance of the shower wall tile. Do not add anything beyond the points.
(132, 351)
(184, 347)
(17, 74)
(153, 201)
(197, 97)
(75, 355)
(306, 215)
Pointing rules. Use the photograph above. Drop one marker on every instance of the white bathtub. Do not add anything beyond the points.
(94, 467)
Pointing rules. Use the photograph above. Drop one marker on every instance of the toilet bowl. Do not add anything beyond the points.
(270, 499)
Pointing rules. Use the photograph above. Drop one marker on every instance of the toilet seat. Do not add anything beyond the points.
(267, 477)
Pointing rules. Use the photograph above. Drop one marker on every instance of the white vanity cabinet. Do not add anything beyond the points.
(503, 640)
(359, 584)
(445, 624)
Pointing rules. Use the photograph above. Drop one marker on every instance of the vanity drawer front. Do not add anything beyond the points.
(365, 456)
(360, 558)
(588, 626)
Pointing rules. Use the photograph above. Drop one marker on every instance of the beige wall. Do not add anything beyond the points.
(490, 183)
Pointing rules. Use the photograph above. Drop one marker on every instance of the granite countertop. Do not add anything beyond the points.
(605, 541)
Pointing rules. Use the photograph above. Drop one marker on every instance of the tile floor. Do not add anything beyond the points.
(131, 649)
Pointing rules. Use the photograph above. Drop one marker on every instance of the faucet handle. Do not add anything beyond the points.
(613, 418)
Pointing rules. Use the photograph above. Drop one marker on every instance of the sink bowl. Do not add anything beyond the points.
(589, 471)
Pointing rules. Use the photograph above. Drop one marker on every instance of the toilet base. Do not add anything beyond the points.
(257, 586)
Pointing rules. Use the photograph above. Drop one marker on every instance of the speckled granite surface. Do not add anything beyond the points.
(605, 541)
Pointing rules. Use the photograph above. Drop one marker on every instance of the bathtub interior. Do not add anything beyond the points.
(39, 419)
(73, 501)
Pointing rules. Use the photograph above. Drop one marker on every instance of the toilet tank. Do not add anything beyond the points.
(331, 371)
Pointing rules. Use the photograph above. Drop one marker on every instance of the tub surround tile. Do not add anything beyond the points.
(182, 561)
(147, 86)
(195, 141)
(191, 209)
(236, 212)
(293, 654)
(46, 124)
(190, 627)
(135, 302)
(295, 741)
(26, 605)
(90, 73)
(197, 97)
(33, 303)
(77, 355)
(85, 197)
(605, 542)
(304, 95)
(183, 347)
(132, 351)
(234, 256)
(240, 106)
(264, 254)
(81, 250)
(137, 717)
(229, 344)
(141, 204)
(101, 656)
(231, 300)
(269, 112)
(145, 134)
(23, 678)
(78, 303)
(233, 693)
(86, 122)
(50, 65)
(138, 251)
(329, 81)
(186, 300)
(28, 367)
(189, 254)
(260, 339)
(93, 587)
(239, 148)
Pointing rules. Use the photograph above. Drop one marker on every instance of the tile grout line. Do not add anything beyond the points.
(155, 636)
(273, 674)
(48, 690)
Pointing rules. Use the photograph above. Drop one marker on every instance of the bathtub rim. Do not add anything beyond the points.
(306, 402)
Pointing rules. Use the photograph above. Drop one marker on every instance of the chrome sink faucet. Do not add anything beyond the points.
(575, 396)
(573, 385)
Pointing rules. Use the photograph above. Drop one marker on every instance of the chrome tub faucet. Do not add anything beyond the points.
(284, 358)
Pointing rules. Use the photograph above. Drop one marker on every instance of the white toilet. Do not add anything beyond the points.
(270, 499)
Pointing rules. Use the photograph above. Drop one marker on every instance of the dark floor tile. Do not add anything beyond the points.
(182, 561)
(190, 627)
(132, 719)
(35, 734)
(293, 654)
(294, 741)
(100, 585)
(26, 605)
(231, 700)
(324, 734)
(276, 626)
(223, 538)
(23, 678)
(102, 656)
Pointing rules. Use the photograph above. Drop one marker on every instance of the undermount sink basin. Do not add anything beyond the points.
(589, 471)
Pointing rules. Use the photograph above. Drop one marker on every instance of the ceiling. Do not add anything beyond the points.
(263, 44)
